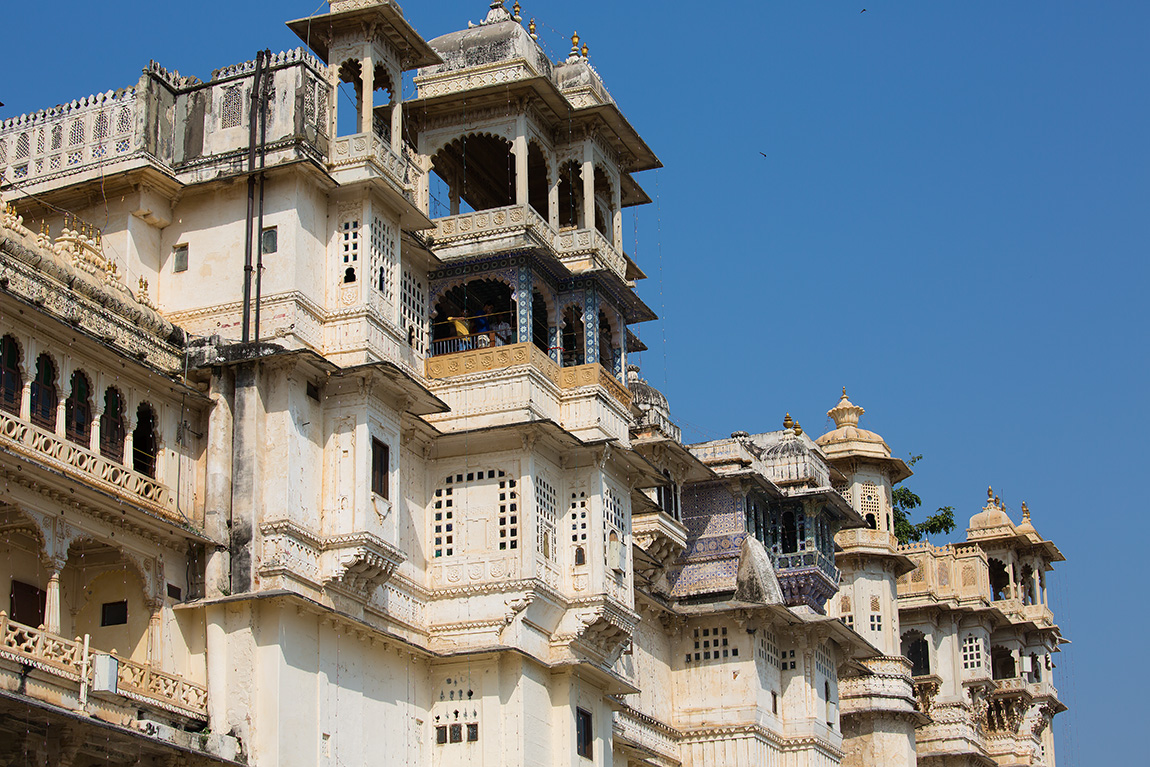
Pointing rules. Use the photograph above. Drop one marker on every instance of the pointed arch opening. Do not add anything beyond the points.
(538, 183)
(478, 169)
(144, 443)
(570, 195)
(112, 430)
(78, 410)
(11, 379)
(44, 396)
(917, 651)
(475, 315)
(574, 337)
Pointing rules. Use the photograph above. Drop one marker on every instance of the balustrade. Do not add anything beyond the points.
(369, 148)
(90, 131)
(68, 659)
(91, 468)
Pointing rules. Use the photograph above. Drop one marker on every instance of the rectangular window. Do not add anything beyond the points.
(456, 733)
(269, 240)
(508, 515)
(875, 622)
(441, 734)
(774, 702)
(180, 258)
(26, 604)
(175, 592)
(114, 614)
(583, 737)
(379, 466)
(472, 733)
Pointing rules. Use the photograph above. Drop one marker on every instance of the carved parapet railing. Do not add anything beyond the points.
(887, 686)
(864, 537)
(370, 149)
(508, 220)
(638, 730)
(512, 355)
(593, 374)
(38, 445)
(65, 659)
(582, 245)
(91, 131)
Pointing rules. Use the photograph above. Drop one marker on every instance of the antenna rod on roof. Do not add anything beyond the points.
(247, 303)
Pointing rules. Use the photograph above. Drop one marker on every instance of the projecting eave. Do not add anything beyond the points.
(621, 135)
(397, 383)
(834, 500)
(694, 470)
(415, 247)
(633, 308)
(539, 91)
(316, 32)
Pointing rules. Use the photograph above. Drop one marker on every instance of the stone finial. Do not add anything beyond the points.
(1025, 512)
(497, 13)
(846, 413)
(788, 422)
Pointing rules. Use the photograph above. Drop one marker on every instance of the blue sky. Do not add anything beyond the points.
(950, 219)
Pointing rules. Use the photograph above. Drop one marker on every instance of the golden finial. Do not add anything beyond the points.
(143, 284)
(844, 392)
(788, 422)
(44, 227)
(584, 50)
(575, 44)
(1025, 512)
(531, 29)
(997, 502)
(98, 235)
(798, 429)
(989, 493)
(516, 8)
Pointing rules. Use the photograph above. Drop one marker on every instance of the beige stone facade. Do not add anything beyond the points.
(325, 449)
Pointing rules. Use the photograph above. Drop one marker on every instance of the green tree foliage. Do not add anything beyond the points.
(904, 501)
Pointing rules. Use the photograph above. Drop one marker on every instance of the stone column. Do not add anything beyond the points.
(397, 112)
(453, 196)
(155, 633)
(519, 147)
(218, 483)
(61, 413)
(553, 201)
(26, 398)
(588, 221)
(617, 216)
(367, 93)
(52, 597)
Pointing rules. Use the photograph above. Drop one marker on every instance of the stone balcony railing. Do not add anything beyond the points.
(368, 149)
(581, 250)
(92, 469)
(512, 355)
(69, 660)
(641, 731)
(866, 538)
(91, 131)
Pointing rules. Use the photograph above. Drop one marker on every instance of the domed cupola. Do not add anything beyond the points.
(499, 38)
(992, 521)
(847, 440)
(791, 461)
(650, 405)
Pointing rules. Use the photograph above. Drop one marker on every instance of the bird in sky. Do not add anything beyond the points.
(764, 154)
(863, 10)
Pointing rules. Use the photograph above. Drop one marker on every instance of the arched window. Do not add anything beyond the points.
(11, 382)
(790, 533)
(78, 410)
(871, 522)
(999, 580)
(112, 426)
(574, 337)
(917, 651)
(580, 556)
(44, 398)
(144, 441)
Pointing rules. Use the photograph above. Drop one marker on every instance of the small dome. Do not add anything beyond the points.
(644, 393)
(496, 39)
(1026, 527)
(790, 446)
(992, 514)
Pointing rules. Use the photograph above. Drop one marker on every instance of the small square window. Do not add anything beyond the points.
(175, 592)
(114, 614)
(441, 734)
(269, 240)
(180, 258)
(456, 733)
(472, 733)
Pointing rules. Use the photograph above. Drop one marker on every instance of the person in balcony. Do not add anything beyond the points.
(502, 330)
(462, 327)
(485, 336)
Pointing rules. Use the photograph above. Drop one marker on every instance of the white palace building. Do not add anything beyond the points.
(325, 449)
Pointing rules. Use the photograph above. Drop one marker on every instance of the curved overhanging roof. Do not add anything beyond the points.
(317, 31)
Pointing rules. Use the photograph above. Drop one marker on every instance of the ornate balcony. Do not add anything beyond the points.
(490, 232)
(81, 464)
(71, 662)
(586, 250)
(642, 736)
(365, 155)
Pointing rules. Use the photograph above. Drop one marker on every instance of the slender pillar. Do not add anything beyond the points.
(553, 201)
(588, 221)
(523, 296)
(367, 94)
(26, 398)
(155, 633)
(590, 326)
(52, 599)
(61, 412)
(520, 149)
(453, 196)
(218, 483)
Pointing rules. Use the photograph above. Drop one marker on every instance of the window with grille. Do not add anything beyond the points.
(383, 250)
(972, 652)
(3, 152)
(76, 133)
(711, 643)
(379, 468)
(578, 518)
(232, 107)
(414, 309)
(23, 146)
(124, 121)
(875, 622)
(849, 620)
(100, 131)
(547, 502)
(349, 249)
(508, 515)
(871, 508)
(443, 521)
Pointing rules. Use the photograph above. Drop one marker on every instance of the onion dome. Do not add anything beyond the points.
(649, 405)
(847, 440)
